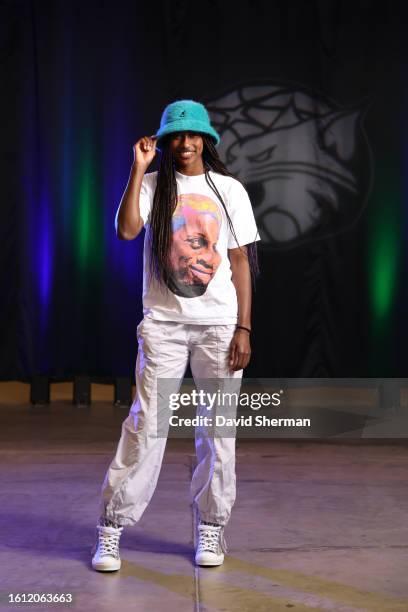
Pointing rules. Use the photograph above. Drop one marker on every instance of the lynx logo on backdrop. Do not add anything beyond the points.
(305, 161)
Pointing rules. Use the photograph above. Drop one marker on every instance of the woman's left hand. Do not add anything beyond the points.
(240, 350)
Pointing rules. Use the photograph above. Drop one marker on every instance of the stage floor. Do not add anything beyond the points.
(316, 526)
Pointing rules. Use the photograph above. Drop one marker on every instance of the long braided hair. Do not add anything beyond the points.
(165, 203)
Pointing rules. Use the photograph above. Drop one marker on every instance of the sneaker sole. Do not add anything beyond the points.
(103, 567)
(210, 562)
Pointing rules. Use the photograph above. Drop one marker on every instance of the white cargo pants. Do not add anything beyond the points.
(165, 348)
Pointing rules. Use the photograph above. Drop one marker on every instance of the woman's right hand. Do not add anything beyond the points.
(144, 150)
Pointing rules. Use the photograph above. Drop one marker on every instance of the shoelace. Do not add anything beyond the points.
(109, 540)
(209, 538)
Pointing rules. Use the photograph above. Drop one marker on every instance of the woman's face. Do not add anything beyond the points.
(187, 149)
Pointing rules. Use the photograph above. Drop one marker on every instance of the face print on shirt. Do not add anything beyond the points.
(194, 258)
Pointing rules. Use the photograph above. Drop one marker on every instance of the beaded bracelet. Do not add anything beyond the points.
(242, 327)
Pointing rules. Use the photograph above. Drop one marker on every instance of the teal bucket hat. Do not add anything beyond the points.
(186, 115)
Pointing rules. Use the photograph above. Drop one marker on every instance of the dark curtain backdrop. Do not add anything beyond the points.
(309, 99)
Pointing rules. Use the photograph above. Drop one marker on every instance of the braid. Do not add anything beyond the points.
(164, 205)
(213, 162)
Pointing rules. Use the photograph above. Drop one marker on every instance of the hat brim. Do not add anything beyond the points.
(188, 126)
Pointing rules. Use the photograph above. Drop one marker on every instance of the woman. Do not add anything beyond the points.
(199, 257)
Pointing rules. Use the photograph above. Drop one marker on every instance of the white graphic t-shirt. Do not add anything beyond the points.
(200, 290)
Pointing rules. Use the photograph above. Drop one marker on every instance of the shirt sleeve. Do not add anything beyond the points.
(242, 217)
(146, 197)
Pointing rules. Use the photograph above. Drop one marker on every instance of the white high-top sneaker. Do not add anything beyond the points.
(211, 545)
(106, 557)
